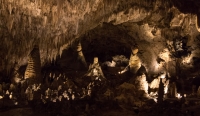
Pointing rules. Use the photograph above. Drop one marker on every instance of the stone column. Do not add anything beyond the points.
(33, 69)
(160, 91)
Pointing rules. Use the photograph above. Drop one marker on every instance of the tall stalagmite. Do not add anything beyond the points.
(33, 69)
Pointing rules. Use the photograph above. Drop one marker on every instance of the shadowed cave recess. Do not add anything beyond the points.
(100, 57)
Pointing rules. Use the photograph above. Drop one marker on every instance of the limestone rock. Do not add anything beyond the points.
(33, 69)
(141, 83)
(134, 63)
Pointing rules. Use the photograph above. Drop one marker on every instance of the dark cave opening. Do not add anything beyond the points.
(104, 49)
(103, 42)
(106, 41)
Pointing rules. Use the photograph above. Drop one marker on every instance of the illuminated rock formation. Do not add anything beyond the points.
(142, 85)
(95, 70)
(134, 61)
(81, 55)
(173, 90)
(33, 69)
(154, 85)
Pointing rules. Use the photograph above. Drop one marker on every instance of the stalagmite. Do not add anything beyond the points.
(142, 84)
(173, 90)
(160, 91)
(134, 61)
(81, 55)
(33, 68)
(95, 70)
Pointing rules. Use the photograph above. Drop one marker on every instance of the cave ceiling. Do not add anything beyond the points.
(54, 25)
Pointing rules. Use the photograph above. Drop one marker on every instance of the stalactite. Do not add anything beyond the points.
(54, 14)
(44, 20)
(56, 41)
(10, 22)
(81, 56)
(59, 6)
(29, 21)
(10, 8)
(197, 18)
(76, 20)
(77, 26)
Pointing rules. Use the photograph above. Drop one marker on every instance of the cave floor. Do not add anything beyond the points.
(28, 111)
(122, 110)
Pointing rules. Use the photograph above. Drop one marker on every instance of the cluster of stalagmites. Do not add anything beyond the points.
(95, 74)
(57, 88)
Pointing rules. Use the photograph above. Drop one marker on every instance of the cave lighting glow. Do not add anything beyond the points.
(16, 103)
(178, 96)
(162, 76)
(166, 89)
(187, 59)
(124, 70)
